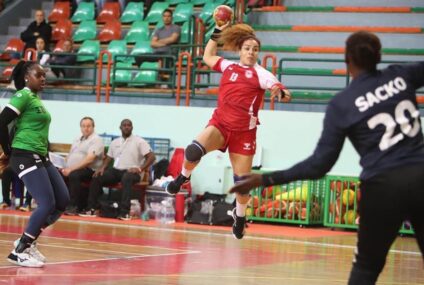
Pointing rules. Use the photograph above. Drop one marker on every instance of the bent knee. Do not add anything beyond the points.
(194, 152)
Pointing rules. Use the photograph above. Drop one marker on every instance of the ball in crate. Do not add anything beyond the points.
(222, 14)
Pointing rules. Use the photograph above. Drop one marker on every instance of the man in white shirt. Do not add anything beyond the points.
(85, 157)
(131, 156)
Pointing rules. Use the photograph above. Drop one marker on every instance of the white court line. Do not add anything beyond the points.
(107, 259)
(102, 242)
(133, 256)
(229, 235)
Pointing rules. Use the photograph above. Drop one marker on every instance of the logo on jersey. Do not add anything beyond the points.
(247, 146)
(249, 74)
(381, 93)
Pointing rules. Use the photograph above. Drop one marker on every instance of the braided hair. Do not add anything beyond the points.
(19, 72)
(364, 49)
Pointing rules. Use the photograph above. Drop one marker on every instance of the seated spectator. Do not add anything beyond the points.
(41, 48)
(162, 40)
(38, 28)
(85, 157)
(131, 156)
(64, 59)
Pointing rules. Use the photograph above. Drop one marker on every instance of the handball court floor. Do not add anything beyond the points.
(108, 251)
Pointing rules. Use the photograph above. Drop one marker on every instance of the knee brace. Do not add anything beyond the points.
(194, 152)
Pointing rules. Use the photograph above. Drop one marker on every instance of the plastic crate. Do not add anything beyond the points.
(342, 198)
(299, 202)
(342, 202)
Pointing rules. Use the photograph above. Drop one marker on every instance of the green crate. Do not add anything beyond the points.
(300, 202)
(342, 202)
(342, 197)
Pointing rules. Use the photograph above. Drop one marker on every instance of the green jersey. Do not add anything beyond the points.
(32, 124)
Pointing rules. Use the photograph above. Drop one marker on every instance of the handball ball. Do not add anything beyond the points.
(222, 14)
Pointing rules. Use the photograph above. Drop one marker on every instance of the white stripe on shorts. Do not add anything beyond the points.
(32, 168)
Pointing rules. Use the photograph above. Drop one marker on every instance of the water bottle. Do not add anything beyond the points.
(167, 211)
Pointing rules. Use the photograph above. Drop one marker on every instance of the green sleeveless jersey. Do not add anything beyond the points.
(32, 124)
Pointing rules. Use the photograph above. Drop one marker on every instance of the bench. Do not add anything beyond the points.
(160, 146)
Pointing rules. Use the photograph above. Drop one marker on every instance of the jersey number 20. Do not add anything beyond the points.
(407, 128)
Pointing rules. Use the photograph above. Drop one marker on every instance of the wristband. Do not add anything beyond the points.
(215, 35)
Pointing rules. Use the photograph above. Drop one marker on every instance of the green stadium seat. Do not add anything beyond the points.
(208, 35)
(139, 31)
(85, 11)
(155, 13)
(176, 2)
(220, 2)
(144, 77)
(185, 37)
(85, 31)
(199, 2)
(207, 12)
(133, 12)
(116, 47)
(121, 76)
(91, 47)
(183, 12)
(141, 47)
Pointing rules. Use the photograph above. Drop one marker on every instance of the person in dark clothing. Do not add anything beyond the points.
(38, 28)
(9, 178)
(64, 59)
(379, 114)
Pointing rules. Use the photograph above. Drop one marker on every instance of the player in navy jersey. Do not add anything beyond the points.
(233, 123)
(378, 113)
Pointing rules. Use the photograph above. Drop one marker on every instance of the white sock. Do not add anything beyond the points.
(241, 209)
(186, 172)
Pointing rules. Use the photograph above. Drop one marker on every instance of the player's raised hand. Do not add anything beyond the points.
(281, 95)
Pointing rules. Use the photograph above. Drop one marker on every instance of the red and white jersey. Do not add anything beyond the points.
(240, 94)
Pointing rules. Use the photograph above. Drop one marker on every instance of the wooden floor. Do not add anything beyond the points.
(107, 251)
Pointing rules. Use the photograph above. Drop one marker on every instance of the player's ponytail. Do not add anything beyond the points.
(19, 72)
(364, 49)
(233, 37)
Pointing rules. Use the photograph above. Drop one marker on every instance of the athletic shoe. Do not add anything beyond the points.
(25, 208)
(239, 225)
(4, 206)
(124, 217)
(88, 213)
(33, 251)
(174, 187)
(71, 211)
(24, 258)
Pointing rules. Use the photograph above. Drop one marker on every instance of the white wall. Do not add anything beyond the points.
(285, 137)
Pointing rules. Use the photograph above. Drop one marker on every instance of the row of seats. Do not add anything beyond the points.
(112, 30)
(133, 11)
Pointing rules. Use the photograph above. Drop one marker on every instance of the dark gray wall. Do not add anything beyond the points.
(19, 8)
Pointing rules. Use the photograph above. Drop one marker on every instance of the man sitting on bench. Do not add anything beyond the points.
(131, 156)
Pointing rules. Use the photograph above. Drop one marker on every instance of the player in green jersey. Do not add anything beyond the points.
(29, 159)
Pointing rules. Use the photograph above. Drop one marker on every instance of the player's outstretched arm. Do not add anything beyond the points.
(251, 181)
(211, 49)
